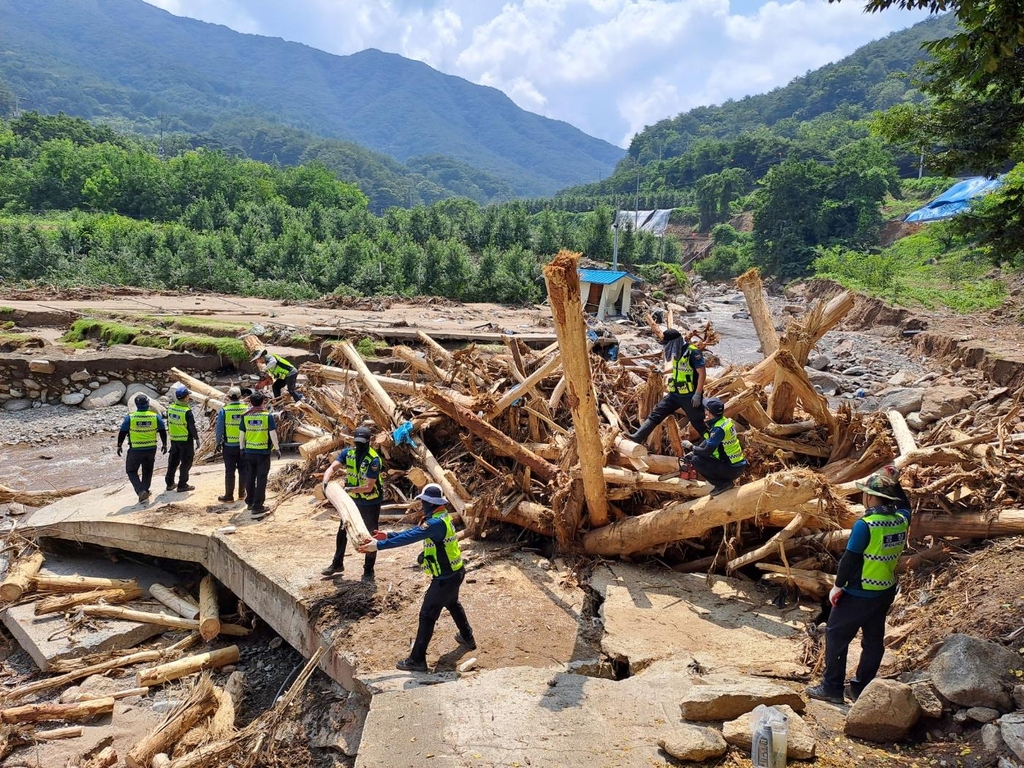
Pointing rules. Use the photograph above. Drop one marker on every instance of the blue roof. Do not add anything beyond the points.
(605, 276)
(956, 199)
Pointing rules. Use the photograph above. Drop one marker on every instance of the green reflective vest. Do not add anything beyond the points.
(888, 531)
(448, 559)
(281, 368)
(357, 475)
(730, 450)
(232, 418)
(683, 377)
(142, 429)
(257, 430)
(177, 426)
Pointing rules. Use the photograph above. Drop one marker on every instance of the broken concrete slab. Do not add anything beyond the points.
(657, 614)
(800, 743)
(44, 638)
(726, 698)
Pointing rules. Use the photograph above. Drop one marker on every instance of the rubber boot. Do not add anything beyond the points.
(645, 429)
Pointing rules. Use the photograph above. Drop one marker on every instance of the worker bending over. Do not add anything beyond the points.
(278, 370)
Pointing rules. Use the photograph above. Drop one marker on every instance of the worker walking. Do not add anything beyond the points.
(257, 431)
(280, 371)
(865, 586)
(442, 559)
(228, 420)
(363, 482)
(181, 425)
(685, 373)
(141, 428)
(719, 458)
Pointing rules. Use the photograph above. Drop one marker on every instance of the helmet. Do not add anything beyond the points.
(141, 401)
(432, 494)
(258, 355)
(714, 406)
(181, 392)
(363, 435)
(880, 485)
(256, 398)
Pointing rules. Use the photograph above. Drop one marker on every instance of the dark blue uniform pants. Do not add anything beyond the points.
(441, 594)
(140, 462)
(182, 453)
(668, 405)
(257, 467)
(715, 471)
(852, 613)
(371, 519)
(233, 463)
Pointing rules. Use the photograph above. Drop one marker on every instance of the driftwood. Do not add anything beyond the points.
(66, 602)
(769, 547)
(209, 611)
(160, 619)
(350, 517)
(189, 665)
(753, 290)
(71, 695)
(105, 758)
(527, 386)
(46, 583)
(37, 498)
(20, 576)
(187, 609)
(200, 702)
(49, 712)
(197, 386)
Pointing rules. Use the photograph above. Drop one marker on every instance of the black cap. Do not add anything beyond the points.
(363, 435)
(671, 334)
(715, 406)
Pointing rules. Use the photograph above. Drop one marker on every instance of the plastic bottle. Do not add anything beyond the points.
(780, 736)
(227, 529)
(761, 748)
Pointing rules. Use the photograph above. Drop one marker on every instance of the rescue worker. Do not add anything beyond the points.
(181, 425)
(865, 586)
(363, 482)
(442, 559)
(280, 371)
(719, 458)
(228, 420)
(141, 428)
(256, 432)
(685, 373)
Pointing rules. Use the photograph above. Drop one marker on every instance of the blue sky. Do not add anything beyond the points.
(609, 67)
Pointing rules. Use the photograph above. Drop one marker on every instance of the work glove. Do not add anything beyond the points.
(696, 400)
(277, 452)
(218, 448)
(119, 450)
(834, 594)
(197, 443)
(380, 535)
(368, 546)
(687, 445)
(163, 448)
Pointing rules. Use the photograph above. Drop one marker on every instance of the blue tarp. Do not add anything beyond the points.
(955, 199)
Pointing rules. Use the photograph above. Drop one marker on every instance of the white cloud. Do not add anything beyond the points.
(230, 13)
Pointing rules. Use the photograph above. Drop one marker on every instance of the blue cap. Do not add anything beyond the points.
(181, 392)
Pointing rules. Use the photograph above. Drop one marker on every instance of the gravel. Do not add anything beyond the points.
(57, 423)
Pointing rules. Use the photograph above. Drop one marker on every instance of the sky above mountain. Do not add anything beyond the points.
(609, 67)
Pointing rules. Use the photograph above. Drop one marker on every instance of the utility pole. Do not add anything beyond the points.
(636, 209)
(615, 239)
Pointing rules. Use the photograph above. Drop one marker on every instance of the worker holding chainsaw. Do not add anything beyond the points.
(719, 458)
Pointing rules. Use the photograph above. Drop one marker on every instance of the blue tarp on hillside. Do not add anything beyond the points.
(955, 199)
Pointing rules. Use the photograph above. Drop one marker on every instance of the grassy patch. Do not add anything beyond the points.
(6, 310)
(203, 325)
(113, 332)
(367, 347)
(300, 338)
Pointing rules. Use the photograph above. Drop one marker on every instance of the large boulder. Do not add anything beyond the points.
(72, 398)
(152, 394)
(727, 699)
(903, 399)
(885, 711)
(800, 744)
(828, 383)
(104, 396)
(944, 400)
(13, 406)
(693, 743)
(973, 672)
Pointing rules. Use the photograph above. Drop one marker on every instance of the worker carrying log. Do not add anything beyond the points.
(865, 586)
(719, 458)
(279, 371)
(364, 473)
(228, 420)
(256, 432)
(685, 373)
(141, 428)
(442, 559)
(181, 425)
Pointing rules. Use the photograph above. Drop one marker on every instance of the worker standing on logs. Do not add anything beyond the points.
(256, 432)
(228, 420)
(275, 368)
(181, 425)
(364, 483)
(442, 559)
(865, 586)
(719, 458)
(141, 428)
(685, 373)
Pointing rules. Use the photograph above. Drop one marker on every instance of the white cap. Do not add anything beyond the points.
(432, 494)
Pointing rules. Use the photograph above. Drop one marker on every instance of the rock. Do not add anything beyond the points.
(927, 699)
(1018, 696)
(41, 366)
(982, 714)
(102, 379)
(885, 711)
(135, 389)
(991, 738)
(729, 698)
(30, 384)
(82, 375)
(105, 396)
(72, 398)
(818, 362)
(1005, 762)
(694, 743)
(1011, 728)
(13, 406)
(800, 744)
(165, 706)
(903, 399)
(854, 370)
(901, 378)
(973, 673)
(943, 400)
(914, 421)
(830, 384)
(339, 726)
(94, 385)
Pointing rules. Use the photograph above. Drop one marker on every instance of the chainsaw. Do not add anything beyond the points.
(684, 472)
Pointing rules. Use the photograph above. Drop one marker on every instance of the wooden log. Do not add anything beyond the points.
(419, 364)
(350, 517)
(48, 712)
(657, 464)
(814, 583)
(689, 519)
(20, 576)
(645, 481)
(184, 608)
(252, 343)
(37, 498)
(753, 291)
(526, 514)
(792, 386)
(209, 611)
(556, 394)
(901, 432)
(530, 383)
(160, 760)
(160, 619)
(769, 547)
(983, 525)
(494, 437)
(784, 444)
(105, 758)
(223, 721)
(387, 384)
(197, 386)
(200, 703)
(66, 602)
(173, 670)
(563, 283)
(58, 734)
(321, 445)
(72, 695)
(47, 583)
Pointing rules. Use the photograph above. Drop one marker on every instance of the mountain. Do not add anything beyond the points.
(139, 67)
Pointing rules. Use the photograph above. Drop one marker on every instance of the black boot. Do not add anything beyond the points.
(644, 430)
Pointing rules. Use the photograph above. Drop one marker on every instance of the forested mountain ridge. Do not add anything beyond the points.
(144, 69)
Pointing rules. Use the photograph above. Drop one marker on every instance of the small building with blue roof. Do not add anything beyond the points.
(606, 292)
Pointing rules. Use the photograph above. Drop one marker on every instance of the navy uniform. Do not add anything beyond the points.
(181, 425)
(685, 375)
(229, 421)
(141, 428)
(719, 458)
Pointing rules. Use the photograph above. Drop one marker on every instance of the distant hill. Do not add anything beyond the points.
(141, 68)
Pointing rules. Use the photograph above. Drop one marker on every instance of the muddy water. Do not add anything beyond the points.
(90, 461)
(739, 344)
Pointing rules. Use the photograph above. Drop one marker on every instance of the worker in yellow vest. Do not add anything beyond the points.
(257, 431)
(229, 420)
(141, 427)
(278, 370)
(181, 426)
(719, 458)
(685, 372)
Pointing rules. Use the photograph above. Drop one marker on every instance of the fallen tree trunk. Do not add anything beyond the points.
(106, 758)
(20, 576)
(814, 583)
(387, 384)
(198, 386)
(60, 603)
(792, 386)
(184, 608)
(36, 498)
(223, 721)
(200, 703)
(71, 695)
(1006, 522)
(901, 432)
(173, 670)
(753, 291)
(36, 713)
(526, 514)
(160, 619)
(350, 517)
(47, 583)
(209, 611)
(529, 384)
(770, 547)
(644, 481)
